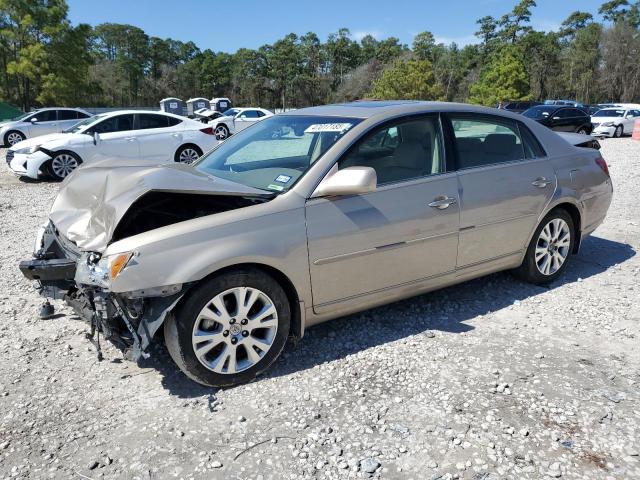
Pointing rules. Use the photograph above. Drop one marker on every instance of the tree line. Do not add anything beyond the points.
(46, 60)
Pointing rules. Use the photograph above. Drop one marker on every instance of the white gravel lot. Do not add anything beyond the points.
(490, 379)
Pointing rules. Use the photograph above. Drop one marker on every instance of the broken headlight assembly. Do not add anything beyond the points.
(92, 269)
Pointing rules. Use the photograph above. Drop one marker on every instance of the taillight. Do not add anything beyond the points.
(603, 165)
(208, 130)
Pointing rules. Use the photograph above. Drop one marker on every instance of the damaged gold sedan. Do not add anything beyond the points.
(309, 216)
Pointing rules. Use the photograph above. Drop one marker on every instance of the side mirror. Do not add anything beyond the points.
(33, 120)
(349, 181)
(96, 138)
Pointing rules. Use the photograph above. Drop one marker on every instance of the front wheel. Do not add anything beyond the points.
(582, 131)
(618, 131)
(13, 137)
(230, 329)
(549, 250)
(62, 164)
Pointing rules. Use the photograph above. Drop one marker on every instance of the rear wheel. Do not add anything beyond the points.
(582, 131)
(62, 164)
(12, 137)
(549, 250)
(188, 154)
(230, 329)
(618, 131)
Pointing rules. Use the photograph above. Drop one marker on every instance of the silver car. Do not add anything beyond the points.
(39, 122)
(312, 215)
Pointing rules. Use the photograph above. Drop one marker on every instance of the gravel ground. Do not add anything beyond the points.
(490, 379)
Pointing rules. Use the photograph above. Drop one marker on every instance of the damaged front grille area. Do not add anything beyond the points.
(129, 320)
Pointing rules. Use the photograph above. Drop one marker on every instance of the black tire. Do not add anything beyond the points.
(14, 134)
(185, 150)
(619, 131)
(52, 168)
(529, 270)
(179, 327)
(222, 128)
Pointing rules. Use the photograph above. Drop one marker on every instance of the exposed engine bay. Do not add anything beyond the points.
(129, 320)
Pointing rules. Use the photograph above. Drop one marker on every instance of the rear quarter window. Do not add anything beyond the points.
(532, 146)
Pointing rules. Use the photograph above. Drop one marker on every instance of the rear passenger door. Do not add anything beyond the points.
(158, 142)
(505, 181)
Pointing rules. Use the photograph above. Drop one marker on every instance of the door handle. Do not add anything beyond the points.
(130, 139)
(441, 202)
(540, 182)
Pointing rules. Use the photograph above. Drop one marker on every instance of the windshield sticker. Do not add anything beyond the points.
(277, 188)
(282, 178)
(328, 127)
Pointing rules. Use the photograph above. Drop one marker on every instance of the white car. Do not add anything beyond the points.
(235, 120)
(140, 136)
(39, 122)
(614, 122)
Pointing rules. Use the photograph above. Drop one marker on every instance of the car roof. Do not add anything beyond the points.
(371, 108)
(128, 112)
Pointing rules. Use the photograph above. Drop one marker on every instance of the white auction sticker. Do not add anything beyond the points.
(328, 127)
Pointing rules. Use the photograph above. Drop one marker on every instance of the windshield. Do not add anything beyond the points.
(539, 112)
(231, 112)
(274, 153)
(22, 117)
(609, 113)
(76, 128)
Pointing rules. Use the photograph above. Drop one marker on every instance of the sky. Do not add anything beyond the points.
(230, 25)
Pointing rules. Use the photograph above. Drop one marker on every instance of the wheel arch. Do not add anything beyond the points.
(296, 306)
(576, 216)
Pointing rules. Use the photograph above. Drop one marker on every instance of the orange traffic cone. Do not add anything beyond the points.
(636, 130)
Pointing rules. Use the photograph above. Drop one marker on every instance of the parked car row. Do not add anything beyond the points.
(602, 120)
(140, 136)
(39, 122)
(309, 216)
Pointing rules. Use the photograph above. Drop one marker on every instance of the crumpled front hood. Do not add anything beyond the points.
(95, 197)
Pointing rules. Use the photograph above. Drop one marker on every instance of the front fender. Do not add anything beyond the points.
(277, 240)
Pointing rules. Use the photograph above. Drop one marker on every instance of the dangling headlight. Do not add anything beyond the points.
(100, 271)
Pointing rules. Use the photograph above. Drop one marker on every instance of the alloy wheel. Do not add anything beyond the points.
(221, 132)
(235, 330)
(63, 164)
(188, 155)
(14, 137)
(552, 248)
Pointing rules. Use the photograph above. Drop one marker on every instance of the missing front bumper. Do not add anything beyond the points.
(129, 320)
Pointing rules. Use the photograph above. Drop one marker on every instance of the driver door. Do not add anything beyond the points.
(245, 119)
(395, 238)
(116, 139)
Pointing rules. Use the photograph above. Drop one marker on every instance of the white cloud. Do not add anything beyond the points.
(360, 34)
(460, 41)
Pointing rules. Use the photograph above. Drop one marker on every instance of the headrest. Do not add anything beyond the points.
(499, 143)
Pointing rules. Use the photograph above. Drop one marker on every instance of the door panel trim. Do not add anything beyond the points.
(390, 246)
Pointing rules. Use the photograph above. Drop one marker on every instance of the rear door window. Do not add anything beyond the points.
(149, 120)
(67, 115)
(486, 140)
